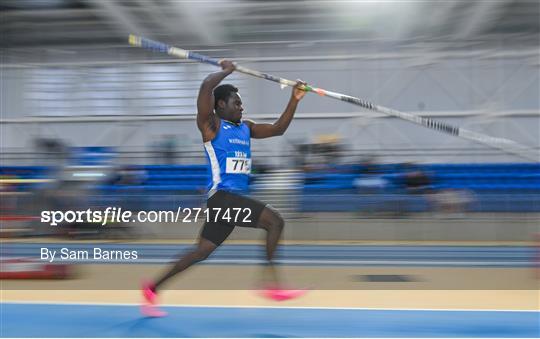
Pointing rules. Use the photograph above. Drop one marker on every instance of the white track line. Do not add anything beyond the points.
(267, 307)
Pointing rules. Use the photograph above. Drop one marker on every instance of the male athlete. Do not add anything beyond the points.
(226, 139)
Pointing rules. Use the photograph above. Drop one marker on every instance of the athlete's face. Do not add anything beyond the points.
(233, 108)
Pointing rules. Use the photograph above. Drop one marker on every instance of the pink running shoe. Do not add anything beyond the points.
(149, 308)
(152, 311)
(148, 293)
(278, 294)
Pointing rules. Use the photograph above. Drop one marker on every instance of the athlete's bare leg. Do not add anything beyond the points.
(203, 250)
(271, 221)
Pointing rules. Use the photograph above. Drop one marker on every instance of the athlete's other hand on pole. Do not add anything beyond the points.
(298, 93)
(227, 65)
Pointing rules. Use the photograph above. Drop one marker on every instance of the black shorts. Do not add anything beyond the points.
(227, 210)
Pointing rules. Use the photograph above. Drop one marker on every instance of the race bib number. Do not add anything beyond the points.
(238, 166)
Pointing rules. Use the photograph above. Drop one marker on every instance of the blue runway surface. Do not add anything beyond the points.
(304, 255)
(79, 320)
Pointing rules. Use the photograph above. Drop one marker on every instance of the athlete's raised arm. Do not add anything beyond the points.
(260, 131)
(206, 119)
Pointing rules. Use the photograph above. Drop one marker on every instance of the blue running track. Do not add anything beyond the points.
(80, 320)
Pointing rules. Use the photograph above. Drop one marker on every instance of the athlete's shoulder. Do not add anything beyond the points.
(248, 122)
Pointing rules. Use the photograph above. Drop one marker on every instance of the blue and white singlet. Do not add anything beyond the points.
(229, 158)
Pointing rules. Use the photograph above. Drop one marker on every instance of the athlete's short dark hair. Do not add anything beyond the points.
(223, 92)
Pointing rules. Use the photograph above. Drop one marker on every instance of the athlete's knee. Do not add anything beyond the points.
(277, 221)
(200, 254)
(203, 250)
(271, 219)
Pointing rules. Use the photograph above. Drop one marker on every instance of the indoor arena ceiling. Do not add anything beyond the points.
(63, 25)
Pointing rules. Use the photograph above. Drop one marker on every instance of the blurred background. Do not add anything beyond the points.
(88, 121)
